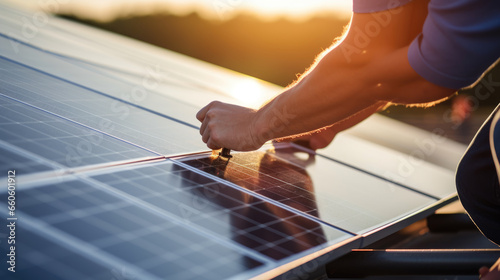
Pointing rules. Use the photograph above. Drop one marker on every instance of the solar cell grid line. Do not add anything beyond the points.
(326, 190)
(74, 244)
(68, 144)
(168, 211)
(39, 255)
(147, 128)
(153, 79)
(260, 213)
(121, 240)
(14, 159)
(144, 56)
(242, 180)
(174, 78)
(132, 94)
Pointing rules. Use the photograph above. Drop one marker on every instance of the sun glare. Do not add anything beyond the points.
(213, 9)
(296, 9)
(249, 92)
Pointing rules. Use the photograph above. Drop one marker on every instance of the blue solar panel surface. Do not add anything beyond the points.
(322, 189)
(113, 181)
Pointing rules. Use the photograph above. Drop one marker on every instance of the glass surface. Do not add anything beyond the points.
(162, 133)
(13, 160)
(412, 170)
(120, 234)
(59, 140)
(41, 258)
(223, 211)
(337, 194)
(157, 221)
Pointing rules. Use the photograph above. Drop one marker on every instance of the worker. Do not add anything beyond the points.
(414, 53)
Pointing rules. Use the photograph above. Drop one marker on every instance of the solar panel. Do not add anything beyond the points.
(114, 182)
(165, 135)
(320, 187)
(152, 216)
(59, 140)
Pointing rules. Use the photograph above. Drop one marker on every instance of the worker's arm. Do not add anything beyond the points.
(353, 77)
(322, 137)
(491, 273)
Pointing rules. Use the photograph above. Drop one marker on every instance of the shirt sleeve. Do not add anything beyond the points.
(460, 40)
(371, 6)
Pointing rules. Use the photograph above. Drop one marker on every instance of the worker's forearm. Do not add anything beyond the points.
(329, 93)
(322, 137)
(335, 91)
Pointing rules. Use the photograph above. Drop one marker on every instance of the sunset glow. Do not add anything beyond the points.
(211, 9)
(249, 92)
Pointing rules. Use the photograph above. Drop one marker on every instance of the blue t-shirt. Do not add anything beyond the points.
(460, 39)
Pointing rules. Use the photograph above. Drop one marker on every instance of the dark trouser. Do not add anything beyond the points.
(478, 181)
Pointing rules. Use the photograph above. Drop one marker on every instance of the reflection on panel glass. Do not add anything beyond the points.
(59, 140)
(161, 134)
(40, 258)
(11, 160)
(116, 231)
(335, 193)
(412, 170)
(224, 211)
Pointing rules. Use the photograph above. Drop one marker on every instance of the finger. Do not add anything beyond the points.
(203, 112)
(203, 127)
(212, 145)
(206, 136)
(483, 271)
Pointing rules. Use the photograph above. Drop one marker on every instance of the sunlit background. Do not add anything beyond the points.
(210, 9)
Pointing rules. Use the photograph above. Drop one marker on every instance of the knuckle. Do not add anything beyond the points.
(215, 137)
(212, 145)
(213, 104)
(211, 125)
(211, 114)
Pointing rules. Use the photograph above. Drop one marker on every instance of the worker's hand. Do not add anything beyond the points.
(317, 140)
(490, 274)
(229, 126)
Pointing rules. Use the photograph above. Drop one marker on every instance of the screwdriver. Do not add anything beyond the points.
(225, 153)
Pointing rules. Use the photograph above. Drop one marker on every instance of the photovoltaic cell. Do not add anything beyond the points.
(166, 220)
(120, 118)
(59, 140)
(113, 227)
(222, 210)
(12, 160)
(48, 259)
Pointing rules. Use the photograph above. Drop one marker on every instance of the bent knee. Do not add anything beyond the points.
(478, 192)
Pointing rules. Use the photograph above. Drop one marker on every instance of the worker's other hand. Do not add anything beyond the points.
(490, 274)
(316, 140)
(229, 126)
